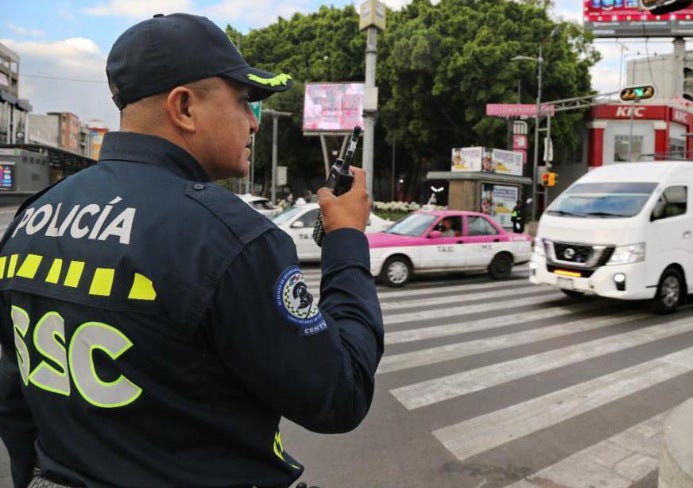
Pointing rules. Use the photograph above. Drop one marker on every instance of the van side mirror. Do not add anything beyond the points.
(658, 210)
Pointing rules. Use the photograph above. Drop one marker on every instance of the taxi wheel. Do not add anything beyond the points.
(669, 292)
(396, 271)
(501, 266)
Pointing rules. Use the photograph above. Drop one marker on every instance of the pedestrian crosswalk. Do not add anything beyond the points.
(519, 364)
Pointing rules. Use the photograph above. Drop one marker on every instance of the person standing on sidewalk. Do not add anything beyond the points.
(154, 327)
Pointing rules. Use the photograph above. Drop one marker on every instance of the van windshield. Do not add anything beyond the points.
(602, 200)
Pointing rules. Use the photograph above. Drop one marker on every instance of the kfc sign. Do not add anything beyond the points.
(628, 112)
(679, 116)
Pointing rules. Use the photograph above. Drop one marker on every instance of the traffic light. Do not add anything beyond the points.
(636, 93)
(548, 178)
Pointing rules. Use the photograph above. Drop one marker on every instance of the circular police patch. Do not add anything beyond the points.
(295, 302)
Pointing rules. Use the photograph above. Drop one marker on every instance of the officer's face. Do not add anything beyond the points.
(224, 130)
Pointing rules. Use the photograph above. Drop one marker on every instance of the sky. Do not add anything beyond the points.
(63, 44)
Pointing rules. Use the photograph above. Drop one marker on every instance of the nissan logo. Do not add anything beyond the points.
(569, 253)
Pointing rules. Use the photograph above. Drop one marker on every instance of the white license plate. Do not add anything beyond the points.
(565, 283)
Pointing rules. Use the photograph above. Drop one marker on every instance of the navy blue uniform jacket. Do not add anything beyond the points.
(155, 328)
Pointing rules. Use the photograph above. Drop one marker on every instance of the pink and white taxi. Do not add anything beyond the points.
(441, 241)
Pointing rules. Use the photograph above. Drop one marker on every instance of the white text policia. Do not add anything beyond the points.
(82, 221)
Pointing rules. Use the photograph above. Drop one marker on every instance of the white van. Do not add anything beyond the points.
(621, 231)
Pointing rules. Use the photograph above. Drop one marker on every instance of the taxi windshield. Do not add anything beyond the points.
(287, 215)
(603, 200)
(412, 225)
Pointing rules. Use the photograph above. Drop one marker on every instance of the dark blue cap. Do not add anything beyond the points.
(166, 51)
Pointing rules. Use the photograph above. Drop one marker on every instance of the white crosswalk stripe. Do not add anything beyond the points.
(582, 330)
(511, 332)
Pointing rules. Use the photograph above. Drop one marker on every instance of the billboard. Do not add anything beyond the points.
(624, 18)
(333, 107)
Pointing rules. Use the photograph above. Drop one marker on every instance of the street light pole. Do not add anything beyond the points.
(540, 61)
(535, 163)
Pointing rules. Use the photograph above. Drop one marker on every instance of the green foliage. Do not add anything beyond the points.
(437, 68)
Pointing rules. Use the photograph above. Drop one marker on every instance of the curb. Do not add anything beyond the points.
(676, 464)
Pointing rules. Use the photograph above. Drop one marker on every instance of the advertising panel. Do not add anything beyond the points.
(624, 18)
(487, 160)
(467, 158)
(333, 107)
(497, 201)
(6, 176)
(507, 162)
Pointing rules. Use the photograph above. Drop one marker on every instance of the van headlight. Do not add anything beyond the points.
(631, 253)
(539, 247)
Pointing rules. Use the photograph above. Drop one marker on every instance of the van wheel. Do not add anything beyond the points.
(501, 266)
(572, 293)
(396, 271)
(669, 292)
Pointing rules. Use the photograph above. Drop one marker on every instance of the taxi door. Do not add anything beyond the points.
(306, 248)
(482, 239)
(445, 251)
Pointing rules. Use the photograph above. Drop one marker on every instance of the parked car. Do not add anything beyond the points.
(443, 241)
(298, 222)
(261, 204)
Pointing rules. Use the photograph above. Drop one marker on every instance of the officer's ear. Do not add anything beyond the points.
(179, 108)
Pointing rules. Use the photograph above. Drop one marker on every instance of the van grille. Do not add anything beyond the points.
(578, 255)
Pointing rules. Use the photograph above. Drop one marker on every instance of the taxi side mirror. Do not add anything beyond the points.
(435, 234)
(298, 225)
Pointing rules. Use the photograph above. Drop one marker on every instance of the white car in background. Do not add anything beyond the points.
(261, 204)
(298, 222)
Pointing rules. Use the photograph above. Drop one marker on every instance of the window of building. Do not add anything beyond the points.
(627, 148)
(677, 148)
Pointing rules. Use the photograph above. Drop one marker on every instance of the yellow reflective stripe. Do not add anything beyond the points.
(74, 273)
(12, 266)
(279, 450)
(54, 272)
(2, 266)
(142, 288)
(30, 266)
(102, 282)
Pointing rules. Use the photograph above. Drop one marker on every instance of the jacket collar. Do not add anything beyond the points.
(141, 148)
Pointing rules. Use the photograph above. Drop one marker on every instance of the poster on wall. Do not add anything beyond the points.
(506, 162)
(497, 201)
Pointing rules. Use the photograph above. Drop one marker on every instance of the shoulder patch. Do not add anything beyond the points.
(295, 302)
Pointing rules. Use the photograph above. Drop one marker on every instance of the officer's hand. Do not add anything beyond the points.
(349, 210)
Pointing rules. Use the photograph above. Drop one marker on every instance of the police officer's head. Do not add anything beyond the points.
(180, 77)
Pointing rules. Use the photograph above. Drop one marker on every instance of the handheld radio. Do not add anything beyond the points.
(339, 180)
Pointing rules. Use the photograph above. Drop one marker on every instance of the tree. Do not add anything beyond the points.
(437, 68)
(441, 65)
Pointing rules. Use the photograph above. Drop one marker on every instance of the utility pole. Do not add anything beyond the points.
(372, 19)
(275, 136)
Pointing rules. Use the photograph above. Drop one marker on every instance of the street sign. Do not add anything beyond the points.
(518, 110)
(256, 107)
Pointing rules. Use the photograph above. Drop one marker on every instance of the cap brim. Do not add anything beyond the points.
(262, 83)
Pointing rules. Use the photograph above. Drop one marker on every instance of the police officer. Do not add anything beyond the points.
(517, 217)
(154, 327)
